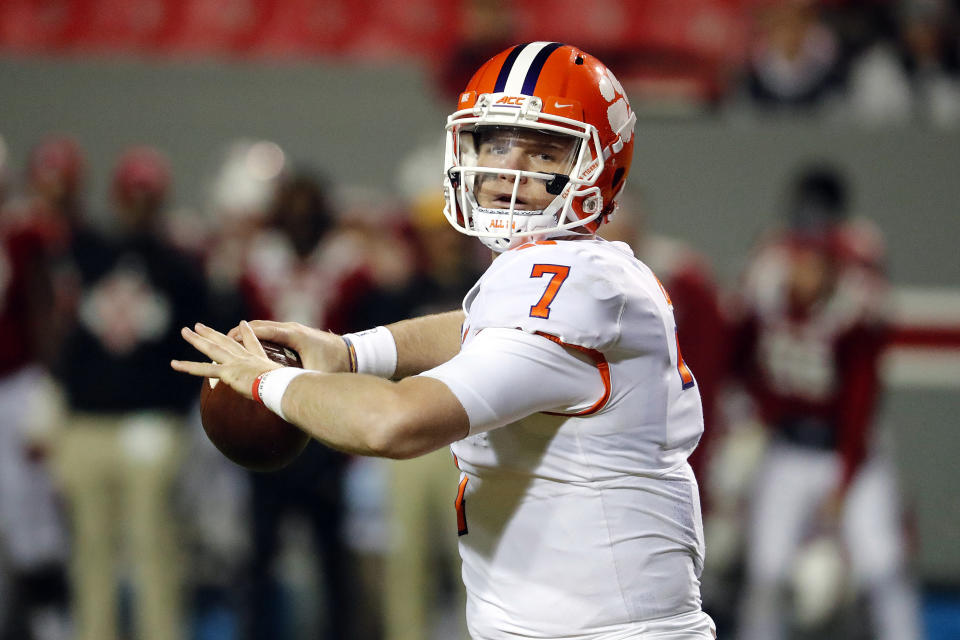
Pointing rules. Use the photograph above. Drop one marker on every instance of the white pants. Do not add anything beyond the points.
(31, 531)
(792, 484)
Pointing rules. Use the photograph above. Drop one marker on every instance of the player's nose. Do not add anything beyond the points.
(514, 160)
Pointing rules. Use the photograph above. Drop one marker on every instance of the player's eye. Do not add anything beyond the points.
(495, 148)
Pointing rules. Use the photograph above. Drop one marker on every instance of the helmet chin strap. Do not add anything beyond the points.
(532, 220)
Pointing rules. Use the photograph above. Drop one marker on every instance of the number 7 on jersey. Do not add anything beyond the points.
(558, 274)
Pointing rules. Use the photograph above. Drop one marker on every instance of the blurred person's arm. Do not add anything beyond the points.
(702, 332)
(859, 368)
(46, 327)
(739, 355)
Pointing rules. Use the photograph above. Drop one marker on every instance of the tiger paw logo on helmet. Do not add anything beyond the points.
(540, 146)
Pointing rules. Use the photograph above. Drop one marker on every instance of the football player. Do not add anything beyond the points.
(33, 536)
(559, 386)
(118, 453)
(807, 346)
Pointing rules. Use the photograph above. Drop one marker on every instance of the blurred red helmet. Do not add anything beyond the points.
(141, 171)
(57, 162)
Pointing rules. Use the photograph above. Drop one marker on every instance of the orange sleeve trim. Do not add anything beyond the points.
(603, 367)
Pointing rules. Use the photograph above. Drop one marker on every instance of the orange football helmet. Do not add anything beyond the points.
(540, 146)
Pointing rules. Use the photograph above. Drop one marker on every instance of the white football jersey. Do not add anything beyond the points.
(579, 515)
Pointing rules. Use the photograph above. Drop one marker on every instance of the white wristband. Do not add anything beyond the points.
(269, 387)
(374, 351)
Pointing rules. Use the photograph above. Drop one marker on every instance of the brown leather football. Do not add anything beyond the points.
(245, 431)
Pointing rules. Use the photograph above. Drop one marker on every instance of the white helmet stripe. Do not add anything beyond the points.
(521, 66)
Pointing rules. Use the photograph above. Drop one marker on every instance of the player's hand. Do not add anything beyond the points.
(319, 350)
(236, 363)
(831, 511)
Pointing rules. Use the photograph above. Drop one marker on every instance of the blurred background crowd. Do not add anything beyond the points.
(164, 162)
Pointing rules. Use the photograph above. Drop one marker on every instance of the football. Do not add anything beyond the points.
(245, 431)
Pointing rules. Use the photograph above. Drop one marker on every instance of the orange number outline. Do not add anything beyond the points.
(461, 505)
(686, 376)
(559, 273)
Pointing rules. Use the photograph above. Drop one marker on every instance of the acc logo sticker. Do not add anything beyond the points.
(514, 100)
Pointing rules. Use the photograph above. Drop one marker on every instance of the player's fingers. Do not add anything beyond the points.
(250, 341)
(262, 329)
(268, 330)
(208, 347)
(205, 369)
(282, 333)
(215, 337)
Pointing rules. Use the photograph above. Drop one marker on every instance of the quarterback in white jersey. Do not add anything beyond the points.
(560, 385)
(579, 513)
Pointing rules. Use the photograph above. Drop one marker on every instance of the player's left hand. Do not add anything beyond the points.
(831, 510)
(236, 363)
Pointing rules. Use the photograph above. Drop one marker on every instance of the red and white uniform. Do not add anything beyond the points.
(813, 371)
(30, 527)
(813, 374)
(579, 515)
(317, 290)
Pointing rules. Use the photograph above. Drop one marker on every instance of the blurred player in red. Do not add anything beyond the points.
(301, 268)
(4, 171)
(56, 172)
(32, 536)
(420, 491)
(686, 275)
(118, 454)
(811, 330)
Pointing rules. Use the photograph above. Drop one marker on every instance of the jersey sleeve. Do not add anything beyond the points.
(558, 289)
(503, 375)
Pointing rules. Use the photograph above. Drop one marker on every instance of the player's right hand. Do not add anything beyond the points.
(319, 350)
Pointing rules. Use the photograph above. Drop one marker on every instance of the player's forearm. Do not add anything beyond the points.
(366, 415)
(425, 342)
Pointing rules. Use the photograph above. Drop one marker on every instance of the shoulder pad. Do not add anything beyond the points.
(571, 290)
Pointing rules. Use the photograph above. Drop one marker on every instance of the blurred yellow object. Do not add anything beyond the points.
(426, 212)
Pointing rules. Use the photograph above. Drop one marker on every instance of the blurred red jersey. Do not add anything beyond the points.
(319, 290)
(812, 369)
(701, 327)
(28, 239)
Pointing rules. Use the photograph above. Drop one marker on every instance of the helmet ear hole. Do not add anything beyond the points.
(591, 205)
